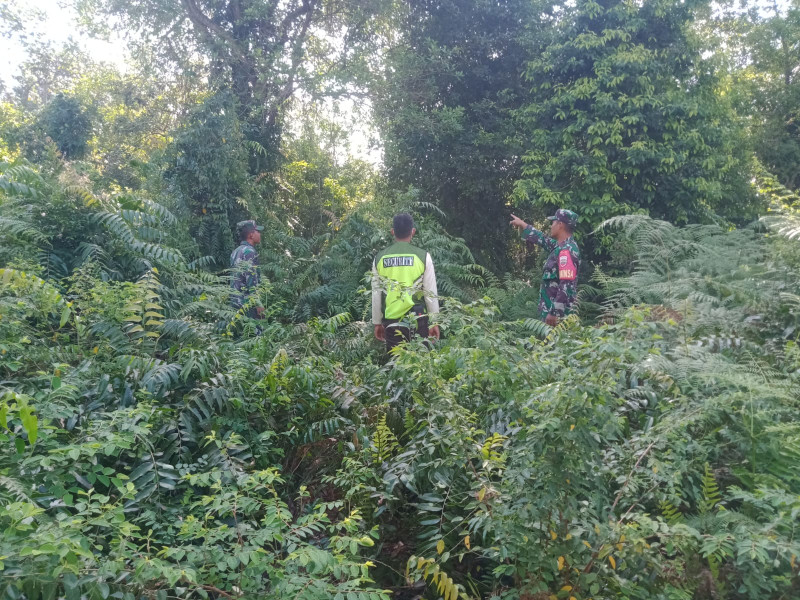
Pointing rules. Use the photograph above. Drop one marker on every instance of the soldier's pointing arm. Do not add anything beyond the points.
(533, 236)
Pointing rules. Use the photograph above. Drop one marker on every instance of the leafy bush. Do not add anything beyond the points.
(68, 124)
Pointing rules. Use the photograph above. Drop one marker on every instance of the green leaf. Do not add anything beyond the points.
(71, 587)
(30, 423)
(103, 589)
(141, 470)
(65, 312)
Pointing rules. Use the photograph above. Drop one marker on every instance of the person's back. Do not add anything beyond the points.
(404, 292)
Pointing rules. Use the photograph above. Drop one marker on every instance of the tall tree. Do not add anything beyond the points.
(256, 54)
(769, 45)
(262, 50)
(208, 175)
(49, 70)
(624, 116)
(452, 80)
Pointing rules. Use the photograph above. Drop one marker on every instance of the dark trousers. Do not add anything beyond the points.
(397, 333)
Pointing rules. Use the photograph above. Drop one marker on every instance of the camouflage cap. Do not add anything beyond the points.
(565, 216)
(247, 226)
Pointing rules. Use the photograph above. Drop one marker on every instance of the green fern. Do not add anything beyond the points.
(711, 497)
(784, 205)
(144, 314)
(671, 513)
(20, 179)
(12, 490)
(384, 442)
(429, 571)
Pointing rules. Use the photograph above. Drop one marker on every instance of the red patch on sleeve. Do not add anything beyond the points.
(566, 267)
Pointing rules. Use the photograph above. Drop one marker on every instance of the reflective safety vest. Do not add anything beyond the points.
(401, 267)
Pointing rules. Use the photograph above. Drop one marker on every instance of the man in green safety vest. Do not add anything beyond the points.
(403, 288)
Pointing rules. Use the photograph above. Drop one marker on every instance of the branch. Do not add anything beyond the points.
(199, 19)
(627, 480)
(236, 10)
(297, 55)
(288, 20)
(622, 518)
(216, 590)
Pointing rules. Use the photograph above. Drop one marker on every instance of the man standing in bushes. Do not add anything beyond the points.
(559, 290)
(404, 291)
(245, 274)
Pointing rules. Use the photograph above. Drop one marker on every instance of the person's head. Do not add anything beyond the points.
(562, 224)
(403, 227)
(249, 232)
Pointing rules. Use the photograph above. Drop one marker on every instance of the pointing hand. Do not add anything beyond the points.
(517, 222)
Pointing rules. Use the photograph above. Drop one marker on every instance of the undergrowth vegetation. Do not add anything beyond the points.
(155, 445)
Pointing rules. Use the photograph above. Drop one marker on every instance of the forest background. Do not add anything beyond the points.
(157, 444)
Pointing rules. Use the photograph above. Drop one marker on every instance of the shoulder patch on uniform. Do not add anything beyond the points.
(398, 261)
(566, 266)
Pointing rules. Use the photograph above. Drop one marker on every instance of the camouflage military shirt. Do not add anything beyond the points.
(559, 289)
(245, 274)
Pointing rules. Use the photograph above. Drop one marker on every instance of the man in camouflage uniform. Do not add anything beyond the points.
(245, 274)
(559, 290)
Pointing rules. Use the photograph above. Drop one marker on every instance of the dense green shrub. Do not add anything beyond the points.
(68, 124)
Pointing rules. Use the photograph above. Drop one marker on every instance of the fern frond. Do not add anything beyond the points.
(429, 571)
(13, 490)
(384, 442)
(710, 490)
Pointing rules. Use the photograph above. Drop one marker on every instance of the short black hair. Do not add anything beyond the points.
(402, 225)
(245, 230)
